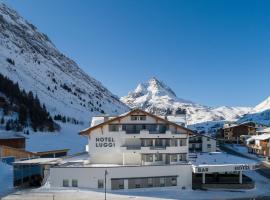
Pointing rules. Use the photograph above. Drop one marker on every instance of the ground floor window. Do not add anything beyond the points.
(174, 158)
(74, 183)
(148, 158)
(65, 183)
(158, 157)
(147, 182)
(100, 183)
(117, 184)
(162, 182)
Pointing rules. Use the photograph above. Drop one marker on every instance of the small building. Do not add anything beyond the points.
(32, 172)
(202, 143)
(221, 170)
(11, 139)
(232, 132)
(259, 144)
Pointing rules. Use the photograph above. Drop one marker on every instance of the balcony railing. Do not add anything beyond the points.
(133, 147)
(157, 147)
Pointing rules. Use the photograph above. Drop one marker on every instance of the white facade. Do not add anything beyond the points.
(202, 143)
(136, 149)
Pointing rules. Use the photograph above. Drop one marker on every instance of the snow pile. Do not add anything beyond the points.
(158, 98)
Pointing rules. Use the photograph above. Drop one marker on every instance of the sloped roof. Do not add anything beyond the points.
(10, 135)
(88, 130)
(259, 137)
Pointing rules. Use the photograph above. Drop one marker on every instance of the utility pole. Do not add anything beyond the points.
(105, 174)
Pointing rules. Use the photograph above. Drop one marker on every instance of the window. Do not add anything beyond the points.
(174, 181)
(162, 182)
(65, 183)
(113, 127)
(182, 157)
(208, 139)
(174, 142)
(183, 142)
(150, 182)
(162, 128)
(143, 117)
(138, 117)
(158, 157)
(117, 184)
(208, 145)
(174, 158)
(74, 183)
(100, 183)
(134, 118)
(147, 142)
(149, 158)
(158, 142)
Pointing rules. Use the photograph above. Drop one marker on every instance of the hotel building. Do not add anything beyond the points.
(134, 150)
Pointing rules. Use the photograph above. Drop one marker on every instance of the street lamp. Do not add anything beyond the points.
(105, 174)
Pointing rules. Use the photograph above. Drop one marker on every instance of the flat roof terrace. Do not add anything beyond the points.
(221, 162)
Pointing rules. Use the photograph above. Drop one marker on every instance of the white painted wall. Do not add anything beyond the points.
(88, 176)
(212, 142)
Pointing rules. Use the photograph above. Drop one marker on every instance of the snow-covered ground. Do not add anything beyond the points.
(244, 151)
(68, 137)
(262, 189)
(6, 179)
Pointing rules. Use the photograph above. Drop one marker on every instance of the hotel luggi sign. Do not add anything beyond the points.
(105, 142)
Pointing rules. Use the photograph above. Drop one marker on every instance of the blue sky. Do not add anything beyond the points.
(211, 52)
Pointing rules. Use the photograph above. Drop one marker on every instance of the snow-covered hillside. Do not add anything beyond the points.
(31, 59)
(264, 105)
(156, 97)
(260, 113)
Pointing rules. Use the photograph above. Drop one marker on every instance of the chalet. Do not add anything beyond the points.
(233, 132)
(13, 140)
(260, 144)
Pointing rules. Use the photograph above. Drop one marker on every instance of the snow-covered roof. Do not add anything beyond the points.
(177, 119)
(259, 137)
(39, 161)
(265, 130)
(219, 158)
(202, 135)
(88, 130)
(10, 135)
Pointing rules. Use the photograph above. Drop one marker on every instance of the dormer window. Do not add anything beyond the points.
(138, 117)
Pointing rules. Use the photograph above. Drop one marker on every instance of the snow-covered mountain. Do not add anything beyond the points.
(260, 113)
(264, 105)
(156, 97)
(28, 57)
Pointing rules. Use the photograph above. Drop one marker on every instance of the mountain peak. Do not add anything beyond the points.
(157, 87)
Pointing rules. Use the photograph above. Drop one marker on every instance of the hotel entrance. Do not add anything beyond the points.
(222, 180)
